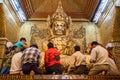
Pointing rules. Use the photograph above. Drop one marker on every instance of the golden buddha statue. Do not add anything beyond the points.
(58, 32)
(59, 25)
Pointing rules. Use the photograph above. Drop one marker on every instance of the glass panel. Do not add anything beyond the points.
(100, 9)
(17, 7)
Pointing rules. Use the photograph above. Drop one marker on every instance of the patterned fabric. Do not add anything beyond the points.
(8, 58)
(31, 55)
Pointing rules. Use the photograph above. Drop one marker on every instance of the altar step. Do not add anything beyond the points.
(57, 77)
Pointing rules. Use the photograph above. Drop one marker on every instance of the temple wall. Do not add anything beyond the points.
(106, 22)
(12, 22)
(38, 31)
(116, 28)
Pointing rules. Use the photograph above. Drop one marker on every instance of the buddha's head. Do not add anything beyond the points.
(59, 22)
(59, 27)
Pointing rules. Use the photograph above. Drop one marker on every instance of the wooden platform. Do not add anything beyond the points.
(57, 77)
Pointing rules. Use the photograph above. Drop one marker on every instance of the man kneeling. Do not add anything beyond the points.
(78, 62)
(30, 60)
(99, 58)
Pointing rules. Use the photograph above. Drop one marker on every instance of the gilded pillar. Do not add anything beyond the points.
(2, 33)
(2, 49)
(2, 22)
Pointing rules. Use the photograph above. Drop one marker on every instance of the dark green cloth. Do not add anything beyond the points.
(8, 58)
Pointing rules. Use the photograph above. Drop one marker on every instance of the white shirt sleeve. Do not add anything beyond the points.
(93, 55)
(72, 63)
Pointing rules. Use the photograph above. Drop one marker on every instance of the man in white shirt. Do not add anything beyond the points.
(78, 62)
(16, 63)
(99, 58)
(113, 68)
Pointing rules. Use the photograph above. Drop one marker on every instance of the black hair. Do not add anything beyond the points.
(50, 45)
(22, 38)
(77, 48)
(13, 48)
(22, 49)
(34, 45)
(94, 43)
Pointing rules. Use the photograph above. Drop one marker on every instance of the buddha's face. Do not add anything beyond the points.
(59, 28)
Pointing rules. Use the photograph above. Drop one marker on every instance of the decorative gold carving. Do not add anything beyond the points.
(39, 34)
(16, 77)
(79, 33)
(58, 77)
(36, 32)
